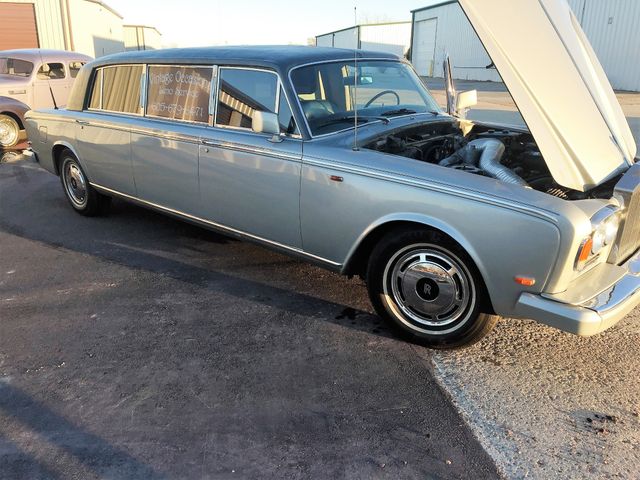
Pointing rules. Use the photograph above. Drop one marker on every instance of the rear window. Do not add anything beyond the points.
(179, 93)
(15, 66)
(117, 89)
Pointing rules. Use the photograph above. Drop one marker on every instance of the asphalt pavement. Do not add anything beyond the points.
(138, 346)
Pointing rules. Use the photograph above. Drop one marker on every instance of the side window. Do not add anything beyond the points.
(121, 88)
(241, 93)
(179, 92)
(95, 102)
(51, 71)
(74, 68)
(285, 116)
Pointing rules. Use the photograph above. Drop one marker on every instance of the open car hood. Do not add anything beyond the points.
(558, 84)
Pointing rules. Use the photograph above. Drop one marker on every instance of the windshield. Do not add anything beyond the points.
(327, 93)
(15, 66)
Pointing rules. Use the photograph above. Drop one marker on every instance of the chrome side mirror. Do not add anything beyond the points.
(466, 100)
(265, 122)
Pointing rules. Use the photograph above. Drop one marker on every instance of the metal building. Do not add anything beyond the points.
(86, 26)
(610, 25)
(141, 37)
(393, 37)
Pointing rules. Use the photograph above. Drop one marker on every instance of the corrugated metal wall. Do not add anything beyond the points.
(324, 40)
(391, 38)
(346, 38)
(611, 26)
(456, 37)
(384, 37)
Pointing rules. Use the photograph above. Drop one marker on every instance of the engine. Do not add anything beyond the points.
(507, 155)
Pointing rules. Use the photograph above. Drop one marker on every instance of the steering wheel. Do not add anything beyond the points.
(384, 92)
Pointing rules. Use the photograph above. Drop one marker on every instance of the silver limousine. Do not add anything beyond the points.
(344, 159)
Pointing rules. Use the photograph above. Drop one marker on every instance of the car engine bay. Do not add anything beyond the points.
(511, 156)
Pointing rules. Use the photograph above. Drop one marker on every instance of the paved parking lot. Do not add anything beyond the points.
(137, 346)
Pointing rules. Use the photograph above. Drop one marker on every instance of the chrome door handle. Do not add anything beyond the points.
(209, 143)
(82, 122)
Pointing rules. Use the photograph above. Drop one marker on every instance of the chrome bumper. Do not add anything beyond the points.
(593, 315)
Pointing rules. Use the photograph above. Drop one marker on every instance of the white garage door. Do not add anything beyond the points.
(424, 46)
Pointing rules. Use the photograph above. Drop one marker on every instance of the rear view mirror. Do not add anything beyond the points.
(466, 100)
(265, 122)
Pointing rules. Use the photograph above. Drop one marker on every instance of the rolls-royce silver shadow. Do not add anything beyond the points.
(344, 159)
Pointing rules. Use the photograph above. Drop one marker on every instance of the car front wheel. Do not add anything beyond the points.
(9, 132)
(428, 289)
(81, 195)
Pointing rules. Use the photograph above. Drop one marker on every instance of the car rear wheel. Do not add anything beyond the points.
(9, 131)
(81, 195)
(428, 289)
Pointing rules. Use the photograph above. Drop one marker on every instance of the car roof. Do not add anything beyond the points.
(41, 54)
(280, 58)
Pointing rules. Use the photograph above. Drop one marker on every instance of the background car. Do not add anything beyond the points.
(11, 122)
(33, 78)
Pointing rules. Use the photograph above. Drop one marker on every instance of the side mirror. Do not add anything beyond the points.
(265, 122)
(466, 100)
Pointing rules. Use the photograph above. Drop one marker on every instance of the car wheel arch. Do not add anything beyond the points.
(357, 259)
(16, 117)
(56, 153)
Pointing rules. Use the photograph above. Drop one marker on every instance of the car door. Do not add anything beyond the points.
(164, 145)
(103, 131)
(250, 181)
(51, 78)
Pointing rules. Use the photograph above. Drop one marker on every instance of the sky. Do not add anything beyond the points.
(186, 23)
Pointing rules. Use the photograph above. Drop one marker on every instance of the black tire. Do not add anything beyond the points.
(9, 132)
(428, 289)
(82, 197)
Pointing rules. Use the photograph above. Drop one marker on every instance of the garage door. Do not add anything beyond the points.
(424, 48)
(18, 29)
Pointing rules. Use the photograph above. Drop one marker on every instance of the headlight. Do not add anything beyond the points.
(605, 225)
(611, 229)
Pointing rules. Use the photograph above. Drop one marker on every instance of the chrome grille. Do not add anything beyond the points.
(628, 189)
(630, 238)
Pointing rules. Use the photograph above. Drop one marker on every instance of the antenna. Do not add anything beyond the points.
(55, 104)
(355, 82)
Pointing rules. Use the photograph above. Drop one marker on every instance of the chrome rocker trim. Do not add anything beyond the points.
(219, 227)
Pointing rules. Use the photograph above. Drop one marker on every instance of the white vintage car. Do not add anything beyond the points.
(451, 222)
(38, 79)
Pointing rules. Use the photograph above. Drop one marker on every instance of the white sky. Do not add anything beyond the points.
(186, 23)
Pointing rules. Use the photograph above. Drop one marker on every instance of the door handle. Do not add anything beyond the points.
(209, 143)
(83, 123)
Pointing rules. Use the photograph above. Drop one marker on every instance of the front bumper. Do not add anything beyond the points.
(582, 313)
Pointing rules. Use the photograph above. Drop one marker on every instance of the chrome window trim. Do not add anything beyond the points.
(187, 65)
(100, 71)
(280, 87)
(267, 152)
(218, 226)
(366, 59)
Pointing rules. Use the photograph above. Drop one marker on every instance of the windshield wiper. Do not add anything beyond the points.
(400, 111)
(406, 111)
(351, 118)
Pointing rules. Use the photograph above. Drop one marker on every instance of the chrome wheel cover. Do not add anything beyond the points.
(74, 183)
(429, 289)
(9, 132)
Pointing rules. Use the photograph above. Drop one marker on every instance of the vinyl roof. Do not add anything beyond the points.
(277, 57)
